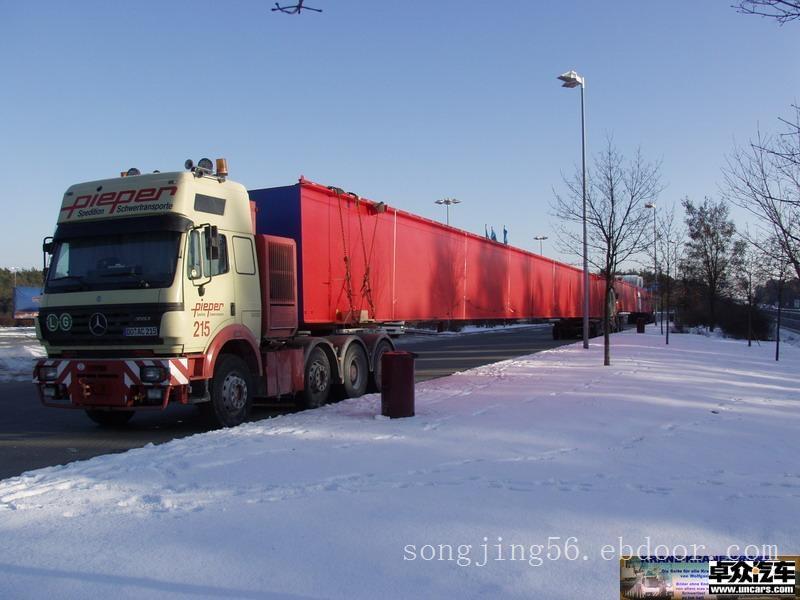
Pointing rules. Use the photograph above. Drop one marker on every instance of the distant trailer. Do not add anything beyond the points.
(26, 302)
(362, 261)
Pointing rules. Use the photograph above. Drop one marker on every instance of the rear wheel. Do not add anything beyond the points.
(355, 371)
(231, 392)
(376, 381)
(110, 418)
(317, 379)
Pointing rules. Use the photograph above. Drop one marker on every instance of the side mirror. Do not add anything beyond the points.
(48, 245)
(212, 242)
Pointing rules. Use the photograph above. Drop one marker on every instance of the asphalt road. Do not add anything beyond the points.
(790, 319)
(32, 436)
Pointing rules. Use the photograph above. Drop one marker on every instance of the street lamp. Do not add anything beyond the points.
(571, 79)
(668, 262)
(447, 202)
(655, 265)
(540, 239)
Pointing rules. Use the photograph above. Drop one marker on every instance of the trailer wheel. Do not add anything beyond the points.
(110, 418)
(376, 380)
(231, 392)
(556, 331)
(355, 371)
(317, 379)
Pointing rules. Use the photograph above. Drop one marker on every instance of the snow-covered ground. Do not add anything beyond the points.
(694, 443)
(19, 349)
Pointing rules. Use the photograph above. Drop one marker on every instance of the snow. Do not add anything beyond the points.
(19, 349)
(691, 443)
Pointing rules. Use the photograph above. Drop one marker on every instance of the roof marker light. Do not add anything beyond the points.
(222, 167)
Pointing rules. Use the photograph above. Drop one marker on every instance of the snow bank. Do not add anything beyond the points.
(19, 349)
(694, 443)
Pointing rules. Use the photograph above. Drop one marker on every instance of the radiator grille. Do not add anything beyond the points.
(281, 273)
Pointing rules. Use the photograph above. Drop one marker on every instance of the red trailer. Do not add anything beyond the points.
(362, 261)
(185, 287)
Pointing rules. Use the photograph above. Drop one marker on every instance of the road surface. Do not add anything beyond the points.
(32, 436)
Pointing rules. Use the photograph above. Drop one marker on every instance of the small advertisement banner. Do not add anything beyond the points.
(709, 577)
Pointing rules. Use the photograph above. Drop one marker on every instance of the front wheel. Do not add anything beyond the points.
(231, 392)
(110, 418)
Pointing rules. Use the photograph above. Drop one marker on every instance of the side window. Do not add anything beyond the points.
(220, 265)
(193, 255)
(197, 260)
(243, 256)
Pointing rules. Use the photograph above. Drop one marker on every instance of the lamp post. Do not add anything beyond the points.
(571, 79)
(668, 262)
(447, 202)
(655, 265)
(540, 239)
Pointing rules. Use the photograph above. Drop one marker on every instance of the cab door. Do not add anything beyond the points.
(210, 297)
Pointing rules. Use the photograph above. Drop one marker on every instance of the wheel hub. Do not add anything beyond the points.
(318, 377)
(234, 392)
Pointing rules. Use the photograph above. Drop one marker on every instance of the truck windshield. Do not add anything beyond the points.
(130, 260)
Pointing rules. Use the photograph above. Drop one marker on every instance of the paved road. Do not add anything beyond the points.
(443, 355)
(32, 436)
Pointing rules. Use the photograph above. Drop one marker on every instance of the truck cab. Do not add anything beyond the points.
(150, 277)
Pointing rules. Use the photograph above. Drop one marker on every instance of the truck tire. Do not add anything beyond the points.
(355, 371)
(110, 418)
(317, 379)
(376, 380)
(231, 392)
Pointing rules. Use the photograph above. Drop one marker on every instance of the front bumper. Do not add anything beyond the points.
(111, 383)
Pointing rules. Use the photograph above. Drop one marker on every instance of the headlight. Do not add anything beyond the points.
(152, 374)
(48, 373)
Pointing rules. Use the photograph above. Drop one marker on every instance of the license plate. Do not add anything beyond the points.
(140, 331)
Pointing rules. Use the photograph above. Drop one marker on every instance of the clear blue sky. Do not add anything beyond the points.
(400, 101)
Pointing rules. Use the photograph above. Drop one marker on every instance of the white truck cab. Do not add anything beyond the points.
(150, 276)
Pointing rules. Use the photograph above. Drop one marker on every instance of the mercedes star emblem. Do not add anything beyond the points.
(98, 324)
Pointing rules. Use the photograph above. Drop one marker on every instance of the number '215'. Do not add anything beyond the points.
(202, 329)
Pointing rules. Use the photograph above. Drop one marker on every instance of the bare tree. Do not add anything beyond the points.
(777, 267)
(669, 245)
(711, 249)
(750, 272)
(616, 217)
(763, 177)
(782, 11)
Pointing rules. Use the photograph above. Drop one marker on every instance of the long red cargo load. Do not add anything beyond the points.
(361, 260)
